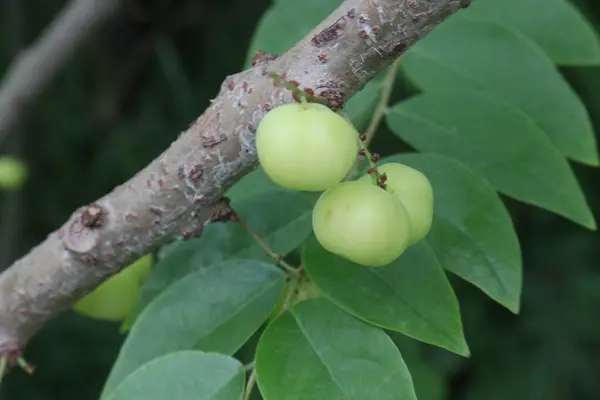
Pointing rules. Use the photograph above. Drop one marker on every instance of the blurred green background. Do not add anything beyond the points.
(128, 92)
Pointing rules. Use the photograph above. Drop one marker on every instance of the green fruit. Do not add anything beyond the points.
(414, 190)
(362, 223)
(114, 299)
(306, 146)
(13, 172)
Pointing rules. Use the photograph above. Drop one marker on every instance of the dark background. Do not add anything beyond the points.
(128, 92)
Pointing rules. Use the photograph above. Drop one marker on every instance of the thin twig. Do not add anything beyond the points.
(30, 72)
(249, 366)
(3, 365)
(276, 256)
(30, 369)
(384, 99)
(292, 288)
(12, 210)
(250, 385)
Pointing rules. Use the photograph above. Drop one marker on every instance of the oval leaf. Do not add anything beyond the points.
(214, 309)
(472, 233)
(184, 375)
(411, 295)
(253, 184)
(497, 140)
(282, 219)
(462, 54)
(539, 21)
(323, 353)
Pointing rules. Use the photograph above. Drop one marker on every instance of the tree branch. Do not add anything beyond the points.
(180, 191)
(33, 69)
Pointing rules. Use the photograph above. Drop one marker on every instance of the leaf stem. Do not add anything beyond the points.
(291, 292)
(384, 99)
(25, 366)
(250, 385)
(3, 364)
(276, 256)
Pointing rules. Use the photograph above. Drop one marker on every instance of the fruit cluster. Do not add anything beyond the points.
(307, 147)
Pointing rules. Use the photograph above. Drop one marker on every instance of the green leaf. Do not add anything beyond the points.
(430, 381)
(411, 295)
(317, 351)
(462, 54)
(286, 22)
(499, 141)
(547, 23)
(255, 183)
(282, 219)
(183, 375)
(213, 309)
(472, 233)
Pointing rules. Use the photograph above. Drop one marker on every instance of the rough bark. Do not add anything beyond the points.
(35, 67)
(180, 191)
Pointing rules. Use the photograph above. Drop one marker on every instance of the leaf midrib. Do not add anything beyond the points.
(416, 311)
(321, 358)
(269, 236)
(244, 305)
(156, 299)
(481, 252)
(140, 369)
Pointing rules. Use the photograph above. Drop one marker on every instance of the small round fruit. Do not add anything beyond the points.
(306, 146)
(414, 190)
(114, 299)
(12, 172)
(362, 223)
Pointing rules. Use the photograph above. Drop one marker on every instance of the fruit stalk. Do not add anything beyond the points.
(270, 252)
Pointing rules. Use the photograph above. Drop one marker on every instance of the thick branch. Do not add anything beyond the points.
(179, 192)
(33, 69)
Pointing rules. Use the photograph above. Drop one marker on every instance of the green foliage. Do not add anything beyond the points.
(547, 24)
(472, 234)
(499, 141)
(494, 116)
(282, 219)
(507, 65)
(175, 375)
(327, 354)
(214, 309)
(410, 295)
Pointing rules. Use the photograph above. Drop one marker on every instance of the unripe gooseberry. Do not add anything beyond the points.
(414, 190)
(13, 172)
(114, 299)
(362, 223)
(306, 146)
